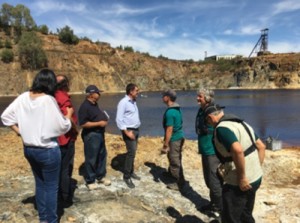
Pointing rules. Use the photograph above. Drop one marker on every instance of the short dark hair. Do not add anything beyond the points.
(130, 87)
(63, 84)
(44, 82)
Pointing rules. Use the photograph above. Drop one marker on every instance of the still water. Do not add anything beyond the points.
(271, 112)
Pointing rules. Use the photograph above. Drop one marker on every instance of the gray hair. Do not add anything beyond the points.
(208, 94)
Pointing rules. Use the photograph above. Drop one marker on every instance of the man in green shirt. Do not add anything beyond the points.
(210, 161)
(174, 139)
(242, 154)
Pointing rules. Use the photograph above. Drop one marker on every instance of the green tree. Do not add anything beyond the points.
(31, 53)
(128, 49)
(21, 20)
(7, 55)
(67, 36)
(6, 17)
(43, 29)
(8, 44)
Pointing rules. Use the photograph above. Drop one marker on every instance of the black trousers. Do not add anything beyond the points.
(131, 146)
(67, 163)
(238, 205)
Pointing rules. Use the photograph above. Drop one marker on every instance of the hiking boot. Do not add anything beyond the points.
(135, 177)
(92, 186)
(129, 183)
(173, 186)
(104, 181)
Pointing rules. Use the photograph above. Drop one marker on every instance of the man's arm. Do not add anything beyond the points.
(94, 124)
(261, 150)
(168, 134)
(238, 157)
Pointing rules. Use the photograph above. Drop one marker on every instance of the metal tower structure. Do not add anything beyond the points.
(262, 44)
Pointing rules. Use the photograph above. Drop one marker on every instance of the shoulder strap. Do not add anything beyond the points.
(248, 151)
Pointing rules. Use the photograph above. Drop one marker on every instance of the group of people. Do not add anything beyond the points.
(232, 158)
(232, 154)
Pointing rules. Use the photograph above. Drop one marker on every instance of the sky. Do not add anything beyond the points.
(177, 29)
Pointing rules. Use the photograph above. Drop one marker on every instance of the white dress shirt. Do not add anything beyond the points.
(127, 114)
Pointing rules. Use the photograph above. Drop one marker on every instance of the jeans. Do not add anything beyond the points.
(95, 156)
(131, 146)
(212, 181)
(238, 205)
(175, 160)
(67, 163)
(45, 165)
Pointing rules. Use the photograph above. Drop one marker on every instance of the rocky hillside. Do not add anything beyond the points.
(111, 69)
(277, 200)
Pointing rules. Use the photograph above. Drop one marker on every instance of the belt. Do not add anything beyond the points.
(135, 129)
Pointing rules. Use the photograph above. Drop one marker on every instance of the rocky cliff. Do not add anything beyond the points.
(111, 69)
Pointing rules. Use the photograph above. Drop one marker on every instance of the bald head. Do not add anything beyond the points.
(62, 83)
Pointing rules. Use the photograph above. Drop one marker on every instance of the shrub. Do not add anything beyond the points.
(128, 49)
(31, 53)
(43, 29)
(8, 44)
(7, 56)
(67, 36)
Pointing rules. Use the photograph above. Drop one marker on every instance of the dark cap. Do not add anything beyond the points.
(92, 89)
(211, 108)
(171, 93)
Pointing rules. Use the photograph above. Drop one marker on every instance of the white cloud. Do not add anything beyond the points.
(286, 6)
(57, 6)
(250, 30)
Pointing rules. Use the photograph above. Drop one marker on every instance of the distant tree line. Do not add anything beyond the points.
(19, 26)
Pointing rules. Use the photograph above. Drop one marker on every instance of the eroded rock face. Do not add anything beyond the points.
(113, 69)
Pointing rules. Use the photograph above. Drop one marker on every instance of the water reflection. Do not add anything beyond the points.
(271, 112)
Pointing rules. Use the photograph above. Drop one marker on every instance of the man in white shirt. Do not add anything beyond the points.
(128, 121)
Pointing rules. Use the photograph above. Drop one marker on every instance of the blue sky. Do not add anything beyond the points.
(176, 29)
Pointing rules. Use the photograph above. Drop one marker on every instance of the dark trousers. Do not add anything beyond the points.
(175, 160)
(95, 156)
(212, 181)
(238, 205)
(66, 170)
(131, 146)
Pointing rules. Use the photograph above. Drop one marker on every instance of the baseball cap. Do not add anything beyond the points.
(211, 108)
(92, 89)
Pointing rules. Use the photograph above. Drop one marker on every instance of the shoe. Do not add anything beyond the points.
(173, 186)
(216, 214)
(129, 183)
(92, 186)
(206, 208)
(135, 177)
(104, 181)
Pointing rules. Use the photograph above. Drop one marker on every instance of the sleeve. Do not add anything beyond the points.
(63, 102)
(82, 115)
(120, 115)
(9, 116)
(56, 124)
(226, 137)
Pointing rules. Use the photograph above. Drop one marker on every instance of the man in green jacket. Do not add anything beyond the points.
(174, 139)
(210, 161)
